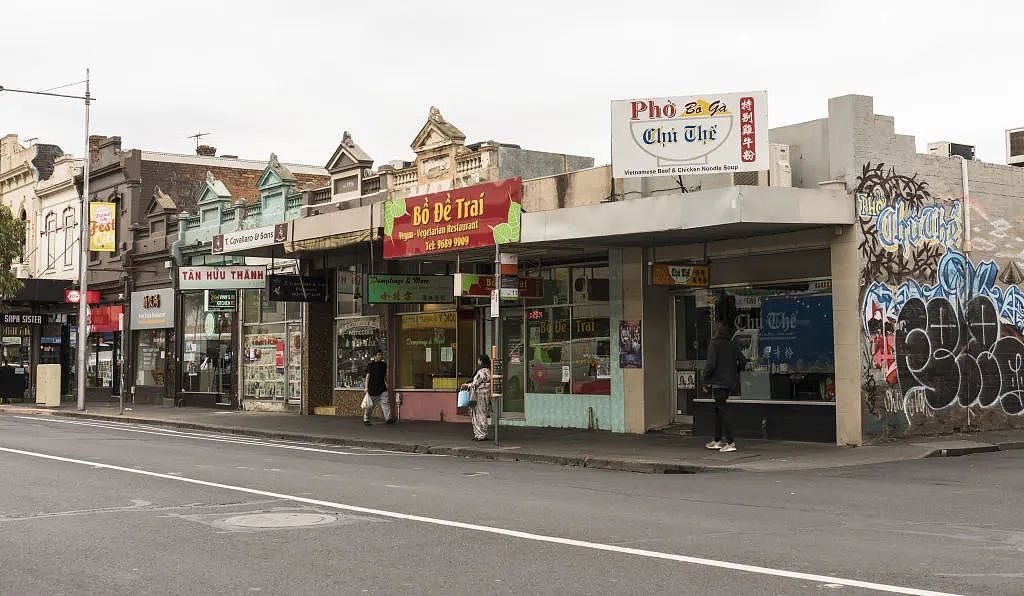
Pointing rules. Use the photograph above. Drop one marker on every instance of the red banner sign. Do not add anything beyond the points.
(105, 319)
(470, 217)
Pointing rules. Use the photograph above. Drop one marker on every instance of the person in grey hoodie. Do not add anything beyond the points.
(722, 374)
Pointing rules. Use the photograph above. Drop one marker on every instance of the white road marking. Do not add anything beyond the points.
(167, 432)
(812, 577)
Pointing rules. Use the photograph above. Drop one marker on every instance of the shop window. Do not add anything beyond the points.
(150, 354)
(786, 333)
(435, 350)
(568, 348)
(349, 301)
(272, 343)
(50, 247)
(357, 340)
(208, 342)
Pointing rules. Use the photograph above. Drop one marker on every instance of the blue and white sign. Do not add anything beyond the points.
(796, 331)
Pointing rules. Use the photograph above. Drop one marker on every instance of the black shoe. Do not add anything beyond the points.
(391, 421)
(479, 439)
(367, 423)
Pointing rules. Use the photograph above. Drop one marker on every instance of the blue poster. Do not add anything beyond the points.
(797, 331)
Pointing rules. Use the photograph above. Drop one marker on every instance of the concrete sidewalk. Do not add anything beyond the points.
(652, 453)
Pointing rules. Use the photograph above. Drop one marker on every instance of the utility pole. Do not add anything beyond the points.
(83, 222)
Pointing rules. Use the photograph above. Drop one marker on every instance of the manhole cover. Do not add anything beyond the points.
(279, 520)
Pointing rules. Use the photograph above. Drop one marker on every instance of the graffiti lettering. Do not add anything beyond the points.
(901, 227)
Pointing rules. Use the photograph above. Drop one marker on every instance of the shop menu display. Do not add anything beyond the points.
(265, 366)
(358, 339)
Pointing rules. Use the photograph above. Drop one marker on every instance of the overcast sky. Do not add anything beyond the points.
(289, 77)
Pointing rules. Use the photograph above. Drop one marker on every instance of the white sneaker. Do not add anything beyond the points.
(715, 445)
(728, 447)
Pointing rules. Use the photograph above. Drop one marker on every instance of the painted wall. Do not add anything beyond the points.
(941, 307)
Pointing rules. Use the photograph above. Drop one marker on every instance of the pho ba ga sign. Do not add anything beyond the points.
(698, 134)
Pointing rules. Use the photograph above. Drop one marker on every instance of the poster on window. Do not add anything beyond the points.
(796, 333)
(630, 345)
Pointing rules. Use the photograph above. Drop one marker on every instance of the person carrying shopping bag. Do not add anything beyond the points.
(377, 389)
(480, 397)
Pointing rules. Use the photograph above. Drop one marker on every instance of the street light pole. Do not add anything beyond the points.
(83, 258)
(83, 222)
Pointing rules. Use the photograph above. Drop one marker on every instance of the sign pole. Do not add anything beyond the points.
(83, 257)
(496, 351)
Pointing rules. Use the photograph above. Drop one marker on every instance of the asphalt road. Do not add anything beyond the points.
(121, 509)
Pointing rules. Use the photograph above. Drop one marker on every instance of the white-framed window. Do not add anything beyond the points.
(70, 238)
(50, 246)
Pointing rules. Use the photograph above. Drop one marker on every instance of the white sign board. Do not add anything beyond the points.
(152, 309)
(245, 239)
(699, 134)
(222, 278)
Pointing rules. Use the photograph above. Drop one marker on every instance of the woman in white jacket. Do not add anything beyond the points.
(480, 397)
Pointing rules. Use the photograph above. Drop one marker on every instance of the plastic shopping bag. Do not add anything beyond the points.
(463, 399)
(367, 402)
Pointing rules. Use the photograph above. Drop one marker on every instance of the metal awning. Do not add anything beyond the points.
(328, 228)
(717, 214)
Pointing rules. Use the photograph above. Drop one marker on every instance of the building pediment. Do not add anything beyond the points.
(275, 174)
(213, 191)
(348, 156)
(437, 132)
(160, 203)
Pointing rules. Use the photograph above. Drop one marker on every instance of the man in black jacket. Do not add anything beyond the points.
(722, 374)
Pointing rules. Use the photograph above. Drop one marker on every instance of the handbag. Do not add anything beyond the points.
(367, 402)
(463, 399)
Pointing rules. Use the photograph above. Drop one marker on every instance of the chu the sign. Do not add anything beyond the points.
(472, 217)
(700, 134)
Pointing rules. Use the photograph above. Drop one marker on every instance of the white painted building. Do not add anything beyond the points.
(58, 212)
(21, 169)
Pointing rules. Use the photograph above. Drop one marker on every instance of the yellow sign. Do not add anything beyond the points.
(102, 226)
(675, 275)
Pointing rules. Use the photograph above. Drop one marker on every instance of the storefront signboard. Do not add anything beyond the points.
(222, 278)
(19, 318)
(410, 289)
(297, 288)
(221, 300)
(102, 226)
(245, 239)
(699, 134)
(74, 296)
(472, 285)
(630, 345)
(105, 319)
(152, 309)
(475, 216)
(679, 275)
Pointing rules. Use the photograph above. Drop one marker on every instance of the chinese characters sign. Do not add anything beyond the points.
(470, 217)
(410, 289)
(102, 226)
(706, 134)
(796, 333)
(152, 309)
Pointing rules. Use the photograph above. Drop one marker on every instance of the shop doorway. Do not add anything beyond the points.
(691, 333)
(514, 358)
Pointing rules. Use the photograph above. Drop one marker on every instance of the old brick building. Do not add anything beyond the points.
(149, 190)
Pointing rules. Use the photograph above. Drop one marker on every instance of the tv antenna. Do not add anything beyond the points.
(197, 136)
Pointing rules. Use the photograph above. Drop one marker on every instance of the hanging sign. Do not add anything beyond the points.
(102, 226)
(222, 278)
(74, 296)
(700, 134)
(472, 285)
(471, 217)
(152, 309)
(676, 275)
(297, 288)
(221, 300)
(410, 289)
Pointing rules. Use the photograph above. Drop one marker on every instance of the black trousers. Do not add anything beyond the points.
(721, 414)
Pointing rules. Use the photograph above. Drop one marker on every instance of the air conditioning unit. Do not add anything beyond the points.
(21, 271)
(1015, 147)
(781, 172)
(580, 289)
(948, 149)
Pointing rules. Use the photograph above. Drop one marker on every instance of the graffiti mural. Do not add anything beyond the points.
(904, 231)
(939, 330)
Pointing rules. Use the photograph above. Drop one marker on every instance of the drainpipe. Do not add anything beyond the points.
(967, 205)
